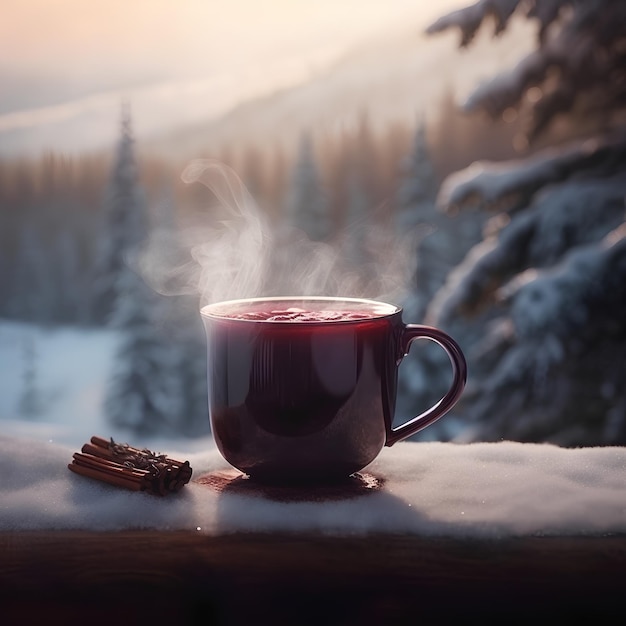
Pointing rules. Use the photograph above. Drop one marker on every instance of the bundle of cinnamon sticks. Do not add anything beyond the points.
(130, 468)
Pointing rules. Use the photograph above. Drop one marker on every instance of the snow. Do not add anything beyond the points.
(71, 368)
(427, 488)
(513, 183)
(488, 490)
(557, 221)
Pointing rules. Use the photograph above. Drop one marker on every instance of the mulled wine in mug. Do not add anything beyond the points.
(303, 389)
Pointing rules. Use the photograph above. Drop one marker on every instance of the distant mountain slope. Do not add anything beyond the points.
(401, 80)
(396, 78)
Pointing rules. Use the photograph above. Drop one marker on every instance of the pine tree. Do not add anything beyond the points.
(188, 335)
(354, 237)
(539, 304)
(307, 206)
(418, 190)
(440, 240)
(178, 320)
(144, 393)
(124, 219)
(437, 242)
(417, 219)
(366, 161)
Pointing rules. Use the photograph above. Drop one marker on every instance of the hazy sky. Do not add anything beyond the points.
(117, 40)
(62, 58)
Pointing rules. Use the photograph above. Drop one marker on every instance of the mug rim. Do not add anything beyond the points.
(391, 309)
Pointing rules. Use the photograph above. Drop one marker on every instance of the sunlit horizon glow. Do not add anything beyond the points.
(76, 49)
(37, 34)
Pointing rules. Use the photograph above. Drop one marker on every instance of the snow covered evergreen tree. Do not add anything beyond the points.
(144, 392)
(179, 324)
(437, 242)
(417, 219)
(538, 305)
(124, 220)
(418, 190)
(307, 206)
(354, 237)
(187, 333)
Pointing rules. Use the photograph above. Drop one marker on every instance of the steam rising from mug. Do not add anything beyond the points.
(235, 253)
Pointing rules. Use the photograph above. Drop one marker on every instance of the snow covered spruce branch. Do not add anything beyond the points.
(576, 70)
(538, 303)
(545, 211)
(510, 185)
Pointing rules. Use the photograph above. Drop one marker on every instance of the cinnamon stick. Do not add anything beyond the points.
(125, 466)
(100, 442)
(104, 453)
(113, 479)
(106, 465)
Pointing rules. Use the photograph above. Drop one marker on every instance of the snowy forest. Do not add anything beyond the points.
(511, 207)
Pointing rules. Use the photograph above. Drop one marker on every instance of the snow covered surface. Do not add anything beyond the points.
(69, 370)
(475, 490)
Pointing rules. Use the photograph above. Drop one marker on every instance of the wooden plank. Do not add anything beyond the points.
(293, 579)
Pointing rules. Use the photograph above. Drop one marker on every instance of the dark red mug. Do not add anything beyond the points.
(303, 389)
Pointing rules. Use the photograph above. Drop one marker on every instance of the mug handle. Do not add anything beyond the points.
(410, 333)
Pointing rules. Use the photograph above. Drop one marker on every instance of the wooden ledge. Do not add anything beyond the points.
(190, 578)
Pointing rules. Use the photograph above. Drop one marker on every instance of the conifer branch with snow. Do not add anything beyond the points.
(538, 304)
